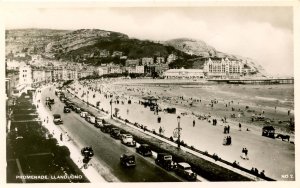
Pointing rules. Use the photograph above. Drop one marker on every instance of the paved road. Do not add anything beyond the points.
(108, 150)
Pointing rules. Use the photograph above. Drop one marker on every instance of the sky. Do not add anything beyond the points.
(264, 34)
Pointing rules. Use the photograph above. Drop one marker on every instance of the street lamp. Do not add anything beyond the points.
(111, 108)
(178, 131)
(87, 98)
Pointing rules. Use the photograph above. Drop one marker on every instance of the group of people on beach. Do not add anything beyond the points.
(244, 154)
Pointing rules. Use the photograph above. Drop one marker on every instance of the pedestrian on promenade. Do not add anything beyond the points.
(228, 129)
(240, 126)
(160, 130)
(194, 123)
(289, 111)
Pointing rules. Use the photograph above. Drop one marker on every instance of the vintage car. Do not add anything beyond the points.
(62, 98)
(87, 117)
(165, 160)
(67, 109)
(185, 170)
(98, 123)
(92, 119)
(127, 160)
(115, 133)
(83, 114)
(144, 149)
(268, 131)
(70, 104)
(127, 139)
(57, 119)
(87, 151)
(106, 127)
(77, 110)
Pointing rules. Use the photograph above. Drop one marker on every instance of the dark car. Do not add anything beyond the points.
(62, 98)
(87, 151)
(99, 123)
(51, 101)
(106, 128)
(67, 109)
(144, 150)
(184, 170)
(71, 105)
(165, 160)
(115, 133)
(268, 131)
(57, 119)
(127, 160)
(77, 109)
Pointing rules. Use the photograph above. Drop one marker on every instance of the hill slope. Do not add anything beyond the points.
(85, 45)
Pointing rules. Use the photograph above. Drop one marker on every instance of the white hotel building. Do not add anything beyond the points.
(223, 68)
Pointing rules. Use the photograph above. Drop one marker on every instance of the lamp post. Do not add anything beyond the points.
(87, 98)
(111, 108)
(178, 131)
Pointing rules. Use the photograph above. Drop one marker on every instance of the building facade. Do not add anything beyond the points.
(223, 68)
(25, 76)
(147, 61)
(184, 73)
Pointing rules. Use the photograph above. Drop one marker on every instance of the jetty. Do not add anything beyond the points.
(266, 81)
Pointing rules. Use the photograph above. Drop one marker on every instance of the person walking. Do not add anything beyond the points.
(240, 126)
(246, 152)
(194, 123)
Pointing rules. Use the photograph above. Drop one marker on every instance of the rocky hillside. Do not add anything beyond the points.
(81, 38)
(193, 47)
(95, 46)
(30, 40)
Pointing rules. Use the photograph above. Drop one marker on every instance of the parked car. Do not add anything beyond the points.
(62, 98)
(78, 110)
(106, 128)
(184, 170)
(87, 151)
(57, 119)
(165, 160)
(127, 160)
(127, 139)
(98, 123)
(144, 149)
(115, 133)
(92, 119)
(83, 114)
(268, 131)
(67, 109)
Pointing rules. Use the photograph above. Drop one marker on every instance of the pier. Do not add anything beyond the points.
(267, 81)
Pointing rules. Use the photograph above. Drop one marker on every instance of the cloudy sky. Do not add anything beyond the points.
(264, 34)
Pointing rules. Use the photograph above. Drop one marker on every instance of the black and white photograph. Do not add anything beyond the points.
(156, 93)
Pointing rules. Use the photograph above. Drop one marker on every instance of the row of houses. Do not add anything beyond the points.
(213, 68)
